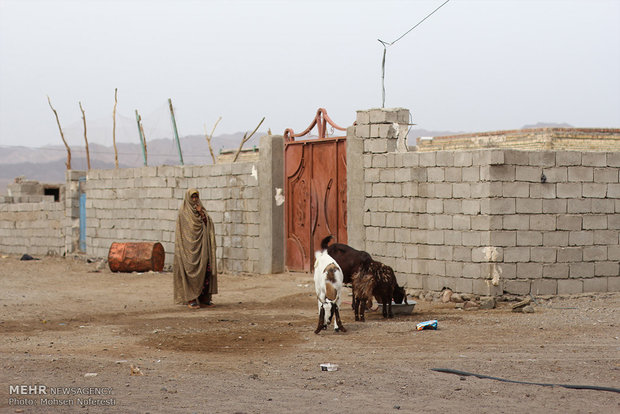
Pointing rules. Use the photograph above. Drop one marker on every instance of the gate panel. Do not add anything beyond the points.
(315, 192)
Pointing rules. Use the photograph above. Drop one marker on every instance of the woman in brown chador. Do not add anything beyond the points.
(195, 267)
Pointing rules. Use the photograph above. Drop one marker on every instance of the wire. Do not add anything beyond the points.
(386, 44)
(542, 384)
(419, 23)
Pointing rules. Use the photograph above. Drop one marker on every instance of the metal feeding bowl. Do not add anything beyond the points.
(399, 308)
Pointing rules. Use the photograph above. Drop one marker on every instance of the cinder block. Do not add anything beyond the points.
(454, 269)
(454, 175)
(471, 174)
(516, 157)
(517, 287)
(613, 252)
(540, 190)
(461, 190)
(445, 158)
(544, 287)
(555, 238)
(428, 159)
(606, 175)
(581, 270)
(581, 174)
(443, 190)
(544, 255)
(515, 222)
(529, 205)
(461, 222)
(594, 159)
(607, 269)
(488, 157)
(411, 159)
(463, 158)
(569, 190)
(597, 284)
(567, 158)
(362, 131)
(581, 238)
(498, 206)
(516, 189)
(557, 206)
(594, 253)
(529, 238)
(542, 158)
(527, 173)
(579, 205)
(464, 285)
(471, 207)
(529, 270)
(613, 284)
(498, 173)
(603, 206)
(556, 175)
(556, 271)
(503, 238)
(517, 254)
(613, 191)
(592, 190)
(472, 270)
(598, 222)
(542, 222)
(484, 287)
(363, 118)
(569, 254)
(569, 286)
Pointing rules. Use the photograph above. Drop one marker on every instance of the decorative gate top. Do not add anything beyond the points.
(321, 119)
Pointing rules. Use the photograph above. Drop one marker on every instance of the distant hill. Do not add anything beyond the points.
(47, 164)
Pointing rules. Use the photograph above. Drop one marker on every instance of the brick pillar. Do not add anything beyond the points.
(271, 208)
(72, 210)
(376, 131)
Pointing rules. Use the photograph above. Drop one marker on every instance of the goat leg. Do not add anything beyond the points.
(321, 325)
(355, 309)
(362, 308)
(338, 321)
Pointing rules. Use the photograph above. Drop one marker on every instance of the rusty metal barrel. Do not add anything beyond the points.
(136, 257)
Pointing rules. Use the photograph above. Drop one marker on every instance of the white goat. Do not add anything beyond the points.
(328, 285)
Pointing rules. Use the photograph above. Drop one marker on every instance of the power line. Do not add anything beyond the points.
(386, 44)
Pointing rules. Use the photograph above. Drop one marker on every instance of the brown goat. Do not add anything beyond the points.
(353, 261)
(377, 280)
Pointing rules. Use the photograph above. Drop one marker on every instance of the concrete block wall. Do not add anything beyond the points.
(487, 221)
(141, 204)
(34, 228)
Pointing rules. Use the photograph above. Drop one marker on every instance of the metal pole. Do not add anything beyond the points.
(138, 119)
(176, 133)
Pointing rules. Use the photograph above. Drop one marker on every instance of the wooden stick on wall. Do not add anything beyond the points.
(85, 138)
(114, 129)
(246, 138)
(68, 163)
(209, 139)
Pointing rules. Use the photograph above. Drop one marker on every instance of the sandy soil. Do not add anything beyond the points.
(63, 320)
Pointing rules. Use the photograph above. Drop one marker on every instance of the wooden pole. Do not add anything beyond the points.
(142, 139)
(176, 133)
(114, 129)
(68, 163)
(209, 139)
(85, 138)
(245, 139)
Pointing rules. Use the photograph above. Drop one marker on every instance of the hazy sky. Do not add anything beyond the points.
(472, 66)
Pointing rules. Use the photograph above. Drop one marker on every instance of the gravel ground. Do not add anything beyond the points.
(96, 341)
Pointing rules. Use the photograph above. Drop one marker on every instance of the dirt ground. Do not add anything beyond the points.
(63, 321)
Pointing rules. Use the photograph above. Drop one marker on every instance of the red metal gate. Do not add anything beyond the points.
(316, 191)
